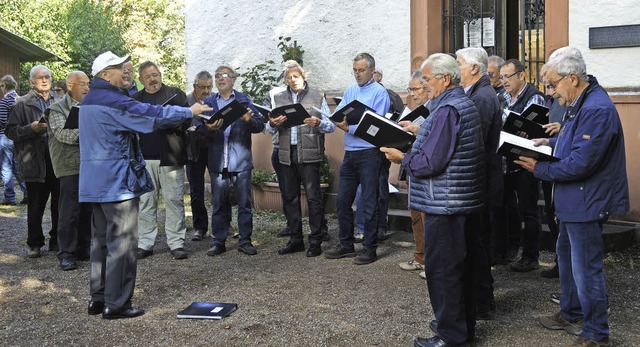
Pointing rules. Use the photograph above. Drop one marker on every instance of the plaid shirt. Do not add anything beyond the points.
(56, 124)
(536, 99)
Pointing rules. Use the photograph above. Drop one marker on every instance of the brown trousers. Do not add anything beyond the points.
(417, 224)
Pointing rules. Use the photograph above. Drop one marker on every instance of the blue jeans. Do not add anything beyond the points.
(580, 251)
(9, 170)
(221, 215)
(359, 168)
(383, 201)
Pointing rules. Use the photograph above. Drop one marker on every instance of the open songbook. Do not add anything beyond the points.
(530, 121)
(382, 132)
(512, 146)
(229, 113)
(418, 115)
(352, 111)
(296, 114)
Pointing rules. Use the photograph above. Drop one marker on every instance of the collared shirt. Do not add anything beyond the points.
(222, 102)
(56, 124)
(42, 102)
(325, 126)
(536, 99)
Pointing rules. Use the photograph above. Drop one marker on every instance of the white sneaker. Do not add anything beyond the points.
(411, 265)
(358, 238)
(423, 275)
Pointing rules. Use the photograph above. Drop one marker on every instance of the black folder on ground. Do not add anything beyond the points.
(382, 132)
(207, 310)
(512, 146)
(418, 115)
(296, 114)
(229, 113)
(72, 118)
(353, 111)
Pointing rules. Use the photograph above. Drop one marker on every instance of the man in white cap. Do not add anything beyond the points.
(112, 178)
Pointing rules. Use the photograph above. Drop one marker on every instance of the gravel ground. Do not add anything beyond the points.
(288, 300)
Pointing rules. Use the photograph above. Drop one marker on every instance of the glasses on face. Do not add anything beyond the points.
(152, 75)
(57, 90)
(204, 87)
(554, 84)
(426, 79)
(506, 77)
(81, 84)
(414, 89)
(222, 75)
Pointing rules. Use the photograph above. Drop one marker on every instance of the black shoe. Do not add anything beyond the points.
(143, 253)
(122, 313)
(314, 251)
(199, 235)
(67, 264)
(338, 252)
(512, 254)
(95, 307)
(284, 233)
(83, 256)
(366, 256)
(179, 253)
(525, 265)
(24, 200)
(550, 273)
(247, 249)
(434, 341)
(217, 249)
(325, 236)
(292, 247)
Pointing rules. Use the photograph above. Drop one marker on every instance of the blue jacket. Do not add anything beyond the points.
(460, 189)
(111, 164)
(591, 177)
(240, 158)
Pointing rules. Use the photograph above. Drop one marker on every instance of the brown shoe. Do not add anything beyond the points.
(556, 322)
(586, 342)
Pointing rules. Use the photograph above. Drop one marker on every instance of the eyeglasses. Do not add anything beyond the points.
(204, 87)
(506, 77)
(58, 89)
(426, 79)
(152, 75)
(81, 84)
(222, 75)
(414, 89)
(554, 84)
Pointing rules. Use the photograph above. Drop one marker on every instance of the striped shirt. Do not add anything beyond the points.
(5, 106)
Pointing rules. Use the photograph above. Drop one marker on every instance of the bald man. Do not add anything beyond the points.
(74, 218)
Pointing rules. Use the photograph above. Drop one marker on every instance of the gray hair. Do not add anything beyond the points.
(145, 65)
(417, 75)
(567, 51)
(9, 82)
(569, 64)
(34, 70)
(225, 67)
(202, 75)
(474, 56)
(366, 56)
(443, 64)
(494, 59)
(293, 65)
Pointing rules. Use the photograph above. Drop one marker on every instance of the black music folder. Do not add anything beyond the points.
(229, 113)
(418, 115)
(296, 114)
(72, 118)
(382, 132)
(207, 310)
(512, 146)
(353, 111)
(515, 124)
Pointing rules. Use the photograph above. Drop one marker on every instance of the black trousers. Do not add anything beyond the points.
(74, 221)
(309, 175)
(483, 277)
(449, 266)
(195, 175)
(38, 197)
(521, 188)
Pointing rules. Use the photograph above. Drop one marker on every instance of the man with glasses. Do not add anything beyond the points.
(446, 166)
(113, 177)
(29, 135)
(590, 184)
(198, 157)
(231, 161)
(520, 187)
(165, 151)
(362, 165)
(74, 227)
(129, 77)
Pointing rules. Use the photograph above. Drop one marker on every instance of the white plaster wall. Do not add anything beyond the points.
(244, 33)
(614, 67)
